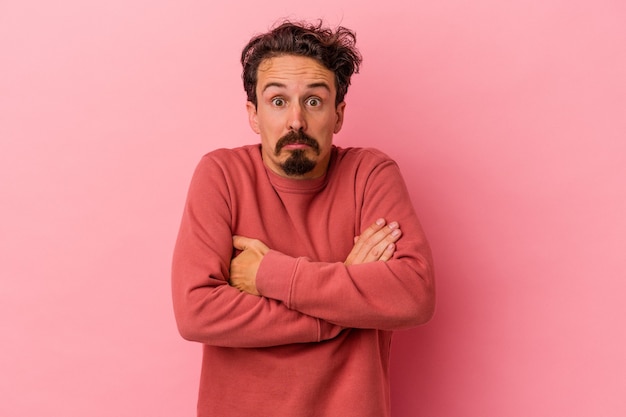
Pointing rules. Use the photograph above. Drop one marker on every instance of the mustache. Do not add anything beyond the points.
(296, 136)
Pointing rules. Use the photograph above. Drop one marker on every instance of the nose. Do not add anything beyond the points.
(297, 119)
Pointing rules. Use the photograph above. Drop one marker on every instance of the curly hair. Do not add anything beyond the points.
(335, 50)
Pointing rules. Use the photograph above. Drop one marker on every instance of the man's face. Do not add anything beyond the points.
(295, 115)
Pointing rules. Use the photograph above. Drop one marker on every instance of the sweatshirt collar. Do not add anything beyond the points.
(300, 186)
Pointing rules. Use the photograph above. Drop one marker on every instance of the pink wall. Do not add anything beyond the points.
(507, 118)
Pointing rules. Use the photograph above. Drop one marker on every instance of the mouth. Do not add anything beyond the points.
(292, 146)
(296, 140)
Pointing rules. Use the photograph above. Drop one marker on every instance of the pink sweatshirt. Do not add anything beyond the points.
(316, 343)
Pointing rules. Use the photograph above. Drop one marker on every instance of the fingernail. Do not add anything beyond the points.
(380, 222)
(395, 233)
(393, 225)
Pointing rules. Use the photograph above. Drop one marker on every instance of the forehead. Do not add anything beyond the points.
(293, 70)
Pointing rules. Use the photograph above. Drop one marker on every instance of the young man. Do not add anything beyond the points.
(285, 267)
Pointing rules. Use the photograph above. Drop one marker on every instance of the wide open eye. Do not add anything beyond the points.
(314, 102)
(278, 101)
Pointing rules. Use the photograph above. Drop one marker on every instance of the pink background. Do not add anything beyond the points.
(508, 119)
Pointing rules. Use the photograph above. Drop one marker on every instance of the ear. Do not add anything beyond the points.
(252, 117)
(341, 107)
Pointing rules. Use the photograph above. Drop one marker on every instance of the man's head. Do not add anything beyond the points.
(296, 78)
(335, 50)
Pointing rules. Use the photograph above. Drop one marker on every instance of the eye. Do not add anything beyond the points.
(278, 102)
(314, 102)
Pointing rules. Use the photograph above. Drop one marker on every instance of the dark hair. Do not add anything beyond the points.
(333, 49)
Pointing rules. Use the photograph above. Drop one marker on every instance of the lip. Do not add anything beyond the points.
(296, 146)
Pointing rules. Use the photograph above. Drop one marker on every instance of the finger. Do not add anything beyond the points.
(373, 228)
(362, 240)
(380, 243)
(378, 238)
(388, 252)
(241, 242)
(371, 244)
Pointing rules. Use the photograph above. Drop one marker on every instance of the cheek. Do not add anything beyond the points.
(326, 142)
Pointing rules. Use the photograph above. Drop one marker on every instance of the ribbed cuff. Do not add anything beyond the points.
(274, 277)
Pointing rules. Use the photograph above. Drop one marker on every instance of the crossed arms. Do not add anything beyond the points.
(377, 243)
(384, 283)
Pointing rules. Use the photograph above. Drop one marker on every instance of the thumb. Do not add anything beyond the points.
(241, 242)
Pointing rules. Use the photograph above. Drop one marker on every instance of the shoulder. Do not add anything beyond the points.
(228, 156)
(225, 168)
(361, 159)
(232, 161)
(365, 167)
(362, 154)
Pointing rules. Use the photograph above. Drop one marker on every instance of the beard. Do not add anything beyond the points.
(297, 163)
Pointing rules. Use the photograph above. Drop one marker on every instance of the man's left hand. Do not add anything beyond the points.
(243, 267)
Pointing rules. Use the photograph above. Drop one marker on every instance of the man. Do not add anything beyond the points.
(285, 267)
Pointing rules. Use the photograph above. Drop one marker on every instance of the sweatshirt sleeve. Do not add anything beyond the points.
(392, 295)
(206, 308)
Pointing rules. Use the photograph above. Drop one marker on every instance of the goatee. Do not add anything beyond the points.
(297, 163)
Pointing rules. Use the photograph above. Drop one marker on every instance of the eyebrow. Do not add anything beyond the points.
(309, 86)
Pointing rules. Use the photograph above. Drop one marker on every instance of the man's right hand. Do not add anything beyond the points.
(376, 243)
